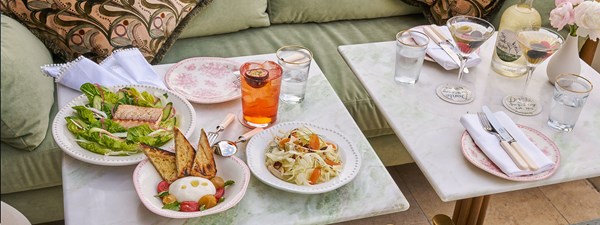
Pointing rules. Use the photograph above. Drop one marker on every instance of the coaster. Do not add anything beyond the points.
(521, 105)
(455, 94)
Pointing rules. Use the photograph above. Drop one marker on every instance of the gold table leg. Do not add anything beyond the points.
(470, 211)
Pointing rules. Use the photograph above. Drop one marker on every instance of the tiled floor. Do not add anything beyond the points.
(576, 202)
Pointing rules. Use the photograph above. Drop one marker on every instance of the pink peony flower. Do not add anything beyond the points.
(573, 2)
(562, 15)
(587, 18)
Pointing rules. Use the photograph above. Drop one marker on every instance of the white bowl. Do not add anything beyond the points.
(146, 179)
(257, 147)
(66, 140)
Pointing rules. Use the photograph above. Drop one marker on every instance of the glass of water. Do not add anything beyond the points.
(295, 61)
(410, 51)
(570, 94)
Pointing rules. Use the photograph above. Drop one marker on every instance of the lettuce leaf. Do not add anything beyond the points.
(141, 134)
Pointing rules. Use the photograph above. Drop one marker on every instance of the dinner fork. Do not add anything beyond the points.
(212, 136)
(487, 126)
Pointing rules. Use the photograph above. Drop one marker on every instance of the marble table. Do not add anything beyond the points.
(105, 195)
(430, 129)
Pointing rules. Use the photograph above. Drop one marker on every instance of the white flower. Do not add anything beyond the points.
(562, 15)
(587, 18)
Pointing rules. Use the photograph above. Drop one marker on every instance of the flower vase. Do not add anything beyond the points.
(566, 60)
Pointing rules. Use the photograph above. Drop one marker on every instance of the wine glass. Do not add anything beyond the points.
(469, 33)
(537, 44)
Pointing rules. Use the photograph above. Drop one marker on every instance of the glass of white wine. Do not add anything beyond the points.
(537, 44)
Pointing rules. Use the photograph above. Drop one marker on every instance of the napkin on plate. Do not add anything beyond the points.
(125, 66)
(490, 145)
(440, 56)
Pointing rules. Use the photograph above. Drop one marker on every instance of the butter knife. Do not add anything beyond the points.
(444, 43)
(509, 138)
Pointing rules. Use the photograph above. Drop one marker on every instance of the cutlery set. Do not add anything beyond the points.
(516, 152)
(436, 35)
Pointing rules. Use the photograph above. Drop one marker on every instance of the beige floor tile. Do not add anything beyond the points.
(596, 182)
(578, 201)
(527, 207)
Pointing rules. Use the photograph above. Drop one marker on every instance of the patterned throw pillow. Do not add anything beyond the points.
(439, 11)
(95, 28)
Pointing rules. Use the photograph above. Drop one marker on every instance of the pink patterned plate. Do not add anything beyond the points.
(479, 159)
(205, 80)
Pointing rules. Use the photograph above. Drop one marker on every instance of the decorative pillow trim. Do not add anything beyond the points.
(439, 11)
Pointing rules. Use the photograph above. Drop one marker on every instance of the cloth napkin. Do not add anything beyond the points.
(490, 145)
(124, 66)
(440, 56)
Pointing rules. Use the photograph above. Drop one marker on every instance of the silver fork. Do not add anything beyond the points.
(212, 136)
(487, 126)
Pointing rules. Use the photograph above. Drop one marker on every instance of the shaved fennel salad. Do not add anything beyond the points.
(302, 157)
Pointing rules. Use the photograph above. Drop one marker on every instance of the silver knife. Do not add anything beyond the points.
(506, 137)
(444, 43)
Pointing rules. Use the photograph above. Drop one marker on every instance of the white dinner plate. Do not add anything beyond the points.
(66, 140)
(479, 159)
(257, 147)
(146, 179)
(205, 80)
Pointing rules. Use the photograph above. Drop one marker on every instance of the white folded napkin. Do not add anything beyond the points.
(490, 145)
(440, 56)
(125, 66)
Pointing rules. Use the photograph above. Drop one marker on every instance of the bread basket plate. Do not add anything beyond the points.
(257, 147)
(146, 179)
(66, 140)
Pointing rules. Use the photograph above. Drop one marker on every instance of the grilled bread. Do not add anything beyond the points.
(184, 154)
(163, 161)
(204, 162)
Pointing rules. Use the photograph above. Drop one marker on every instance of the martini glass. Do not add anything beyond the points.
(469, 33)
(537, 44)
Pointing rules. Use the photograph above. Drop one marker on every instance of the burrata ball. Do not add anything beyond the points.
(191, 188)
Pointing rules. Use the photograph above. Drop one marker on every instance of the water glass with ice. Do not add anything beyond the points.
(410, 51)
(570, 94)
(295, 61)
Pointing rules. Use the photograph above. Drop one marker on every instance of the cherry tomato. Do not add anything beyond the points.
(220, 192)
(169, 199)
(208, 201)
(189, 206)
(218, 182)
(163, 186)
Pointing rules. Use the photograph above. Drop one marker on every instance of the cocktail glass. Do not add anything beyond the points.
(469, 33)
(537, 44)
(261, 84)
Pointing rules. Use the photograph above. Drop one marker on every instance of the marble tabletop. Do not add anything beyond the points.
(105, 195)
(431, 131)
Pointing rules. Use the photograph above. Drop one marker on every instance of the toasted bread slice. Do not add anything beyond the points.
(204, 162)
(184, 154)
(163, 161)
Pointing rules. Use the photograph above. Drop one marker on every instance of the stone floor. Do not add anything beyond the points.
(576, 202)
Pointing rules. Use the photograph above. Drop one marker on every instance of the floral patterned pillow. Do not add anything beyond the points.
(95, 28)
(439, 11)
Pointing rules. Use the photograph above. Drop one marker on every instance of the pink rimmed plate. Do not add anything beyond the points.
(479, 159)
(205, 80)
(146, 179)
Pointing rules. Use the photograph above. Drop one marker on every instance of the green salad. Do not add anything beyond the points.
(116, 123)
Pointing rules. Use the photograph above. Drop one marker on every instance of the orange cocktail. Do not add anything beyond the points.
(261, 83)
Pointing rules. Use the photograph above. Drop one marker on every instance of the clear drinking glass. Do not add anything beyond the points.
(410, 51)
(469, 33)
(295, 61)
(570, 94)
(537, 44)
(261, 84)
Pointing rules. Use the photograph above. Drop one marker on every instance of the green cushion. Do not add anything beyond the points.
(227, 16)
(22, 170)
(24, 109)
(301, 11)
(39, 206)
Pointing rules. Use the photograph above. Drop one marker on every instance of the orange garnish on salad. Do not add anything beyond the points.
(331, 162)
(315, 175)
(314, 142)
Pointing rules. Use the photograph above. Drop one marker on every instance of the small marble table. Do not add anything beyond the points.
(430, 129)
(105, 195)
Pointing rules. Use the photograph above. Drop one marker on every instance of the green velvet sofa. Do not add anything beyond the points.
(31, 174)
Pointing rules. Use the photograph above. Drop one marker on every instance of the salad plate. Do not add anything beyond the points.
(205, 80)
(146, 178)
(474, 155)
(185, 115)
(258, 145)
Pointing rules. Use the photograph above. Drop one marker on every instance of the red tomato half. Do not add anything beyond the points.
(220, 192)
(189, 206)
(163, 186)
